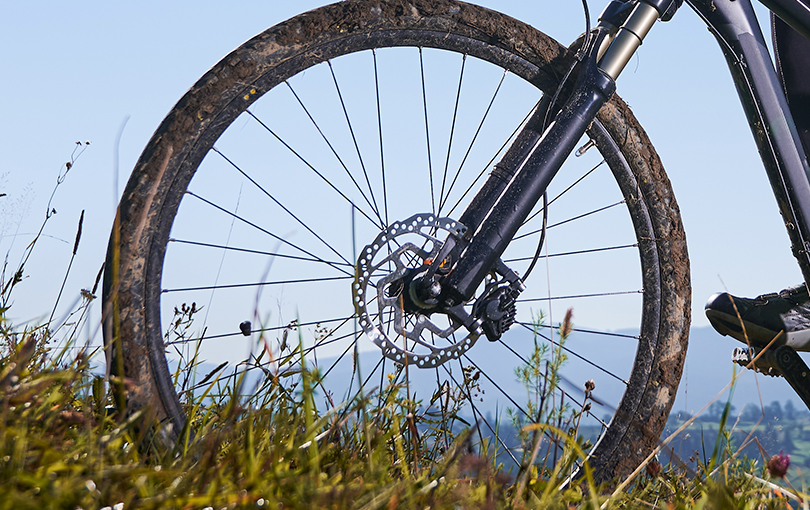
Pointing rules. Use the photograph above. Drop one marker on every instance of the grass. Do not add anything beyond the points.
(64, 444)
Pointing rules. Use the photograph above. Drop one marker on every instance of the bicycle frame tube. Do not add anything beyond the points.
(736, 28)
(792, 12)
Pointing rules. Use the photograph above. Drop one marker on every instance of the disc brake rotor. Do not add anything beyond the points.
(385, 303)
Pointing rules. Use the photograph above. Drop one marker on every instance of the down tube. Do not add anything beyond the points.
(734, 24)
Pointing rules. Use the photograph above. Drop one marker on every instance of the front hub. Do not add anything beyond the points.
(419, 291)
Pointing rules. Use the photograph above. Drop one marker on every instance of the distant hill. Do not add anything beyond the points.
(707, 371)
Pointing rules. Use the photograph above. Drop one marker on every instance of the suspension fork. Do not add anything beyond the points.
(522, 176)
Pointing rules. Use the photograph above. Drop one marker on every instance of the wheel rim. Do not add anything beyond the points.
(328, 263)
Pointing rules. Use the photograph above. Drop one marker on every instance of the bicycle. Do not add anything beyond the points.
(423, 273)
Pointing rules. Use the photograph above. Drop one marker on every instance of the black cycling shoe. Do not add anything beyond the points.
(764, 317)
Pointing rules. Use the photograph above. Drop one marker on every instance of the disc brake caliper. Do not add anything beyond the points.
(496, 307)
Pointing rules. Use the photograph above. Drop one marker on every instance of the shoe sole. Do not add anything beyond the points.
(731, 325)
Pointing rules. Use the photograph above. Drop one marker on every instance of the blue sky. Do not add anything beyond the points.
(78, 71)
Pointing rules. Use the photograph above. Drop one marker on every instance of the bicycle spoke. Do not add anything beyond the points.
(443, 389)
(489, 163)
(256, 284)
(427, 135)
(380, 131)
(332, 148)
(592, 332)
(222, 258)
(495, 384)
(579, 296)
(584, 215)
(339, 359)
(566, 190)
(472, 142)
(271, 197)
(321, 343)
(363, 387)
(258, 252)
(562, 377)
(577, 252)
(531, 328)
(274, 236)
(294, 355)
(452, 129)
(382, 381)
(265, 330)
(376, 208)
(309, 165)
(478, 416)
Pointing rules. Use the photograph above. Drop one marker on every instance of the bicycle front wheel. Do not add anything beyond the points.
(332, 135)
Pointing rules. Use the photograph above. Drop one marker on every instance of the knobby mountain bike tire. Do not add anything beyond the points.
(301, 149)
